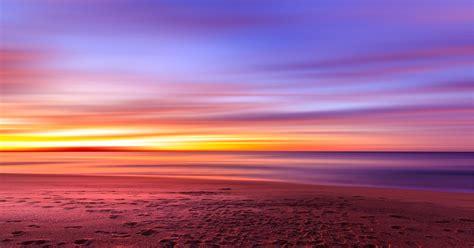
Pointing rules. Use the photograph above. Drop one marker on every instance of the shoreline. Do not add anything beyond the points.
(447, 198)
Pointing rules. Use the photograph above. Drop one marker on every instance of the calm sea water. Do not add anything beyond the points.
(432, 171)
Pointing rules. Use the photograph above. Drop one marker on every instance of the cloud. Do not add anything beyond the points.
(20, 70)
(151, 16)
(349, 114)
(309, 75)
(383, 63)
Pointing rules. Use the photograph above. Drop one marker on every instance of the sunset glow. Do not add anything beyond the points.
(289, 77)
(236, 123)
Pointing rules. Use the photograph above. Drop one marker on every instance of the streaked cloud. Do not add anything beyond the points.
(237, 75)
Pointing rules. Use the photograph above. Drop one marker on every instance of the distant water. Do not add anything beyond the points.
(431, 171)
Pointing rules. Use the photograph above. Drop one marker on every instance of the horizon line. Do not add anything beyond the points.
(117, 149)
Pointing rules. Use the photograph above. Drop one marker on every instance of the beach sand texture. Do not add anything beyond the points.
(69, 211)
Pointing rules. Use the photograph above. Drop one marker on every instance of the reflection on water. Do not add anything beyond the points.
(437, 171)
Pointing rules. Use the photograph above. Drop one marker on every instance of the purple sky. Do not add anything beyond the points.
(291, 75)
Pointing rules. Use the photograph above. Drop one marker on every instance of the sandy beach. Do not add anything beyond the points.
(69, 211)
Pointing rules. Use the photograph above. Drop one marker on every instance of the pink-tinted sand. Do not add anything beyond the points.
(69, 211)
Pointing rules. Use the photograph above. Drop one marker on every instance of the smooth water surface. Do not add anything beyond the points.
(433, 171)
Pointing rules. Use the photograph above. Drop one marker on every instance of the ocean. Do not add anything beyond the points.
(437, 171)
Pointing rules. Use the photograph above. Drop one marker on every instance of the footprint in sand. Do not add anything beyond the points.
(148, 232)
(114, 216)
(35, 242)
(130, 224)
(82, 242)
(13, 221)
(120, 235)
(73, 227)
(167, 243)
(397, 216)
(18, 233)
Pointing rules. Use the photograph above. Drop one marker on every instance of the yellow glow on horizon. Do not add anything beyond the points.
(208, 142)
(32, 143)
(169, 138)
(118, 138)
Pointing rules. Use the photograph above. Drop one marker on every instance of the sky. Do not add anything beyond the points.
(237, 75)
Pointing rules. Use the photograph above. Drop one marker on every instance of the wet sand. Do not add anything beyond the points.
(70, 211)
